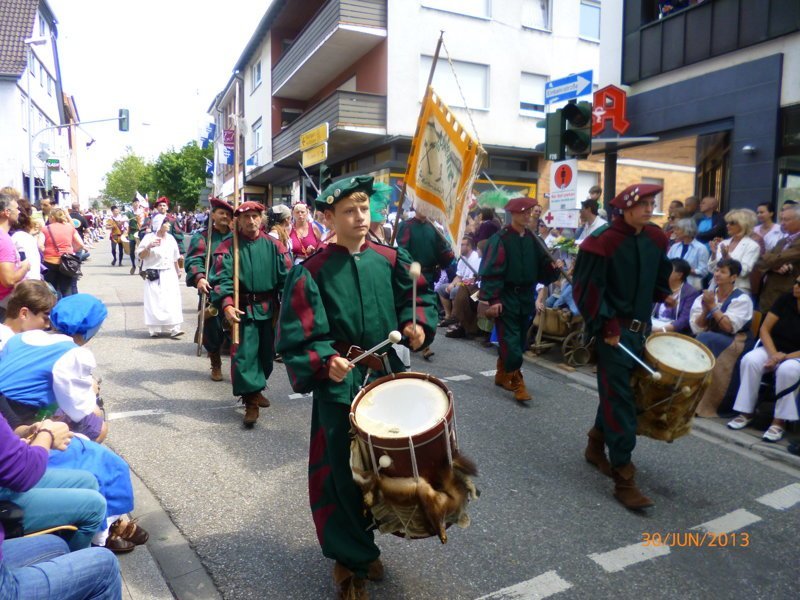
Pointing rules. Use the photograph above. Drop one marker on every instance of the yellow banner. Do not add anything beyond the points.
(442, 167)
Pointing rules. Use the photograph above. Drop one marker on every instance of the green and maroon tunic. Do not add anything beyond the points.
(335, 296)
(195, 265)
(425, 246)
(618, 276)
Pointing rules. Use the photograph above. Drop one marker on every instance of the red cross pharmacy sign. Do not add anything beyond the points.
(610, 104)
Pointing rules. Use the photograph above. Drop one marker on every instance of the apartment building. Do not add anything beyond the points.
(29, 68)
(718, 84)
(361, 66)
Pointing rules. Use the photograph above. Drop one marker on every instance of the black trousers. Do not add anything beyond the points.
(132, 243)
(114, 247)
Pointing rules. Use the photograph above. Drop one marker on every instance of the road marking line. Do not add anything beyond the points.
(135, 413)
(491, 373)
(298, 396)
(783, 498)
(616, 560)
(539, 587)
(458, 378)
(730, 522)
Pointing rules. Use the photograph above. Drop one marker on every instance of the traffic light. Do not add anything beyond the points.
(553, 146)
(124, 120)
(578, 134)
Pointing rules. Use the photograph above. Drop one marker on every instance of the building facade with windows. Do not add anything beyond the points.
(32, 69)
(718, 83)
(361, 66)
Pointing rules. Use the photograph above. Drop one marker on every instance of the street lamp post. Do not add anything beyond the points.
(29, 42)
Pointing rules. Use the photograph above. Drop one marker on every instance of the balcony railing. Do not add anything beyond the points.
(340, 110)
(365, 21)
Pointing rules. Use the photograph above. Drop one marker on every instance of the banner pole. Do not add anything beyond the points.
(235, 326)
(416, 133)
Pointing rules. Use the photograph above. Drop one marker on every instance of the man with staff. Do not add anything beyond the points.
(429, 248)
(513, 263)
(198, 260)
(262, 267)
(621, 270)
(348, 296)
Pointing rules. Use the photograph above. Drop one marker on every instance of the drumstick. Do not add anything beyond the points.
(414, 270)
(394, 338)
(654, 374)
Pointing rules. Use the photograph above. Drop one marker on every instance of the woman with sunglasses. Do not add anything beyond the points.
(739, 246)
(780, 352)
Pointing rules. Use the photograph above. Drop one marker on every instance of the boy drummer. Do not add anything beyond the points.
(351, 293)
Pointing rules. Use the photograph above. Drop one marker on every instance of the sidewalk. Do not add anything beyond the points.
(749, 438)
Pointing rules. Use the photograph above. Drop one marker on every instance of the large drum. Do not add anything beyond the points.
(666, 407)
(405, 455)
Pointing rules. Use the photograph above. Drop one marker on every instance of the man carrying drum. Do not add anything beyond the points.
(622, 268)
(348, 296)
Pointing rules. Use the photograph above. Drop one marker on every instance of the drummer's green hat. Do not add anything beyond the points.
(339, 190)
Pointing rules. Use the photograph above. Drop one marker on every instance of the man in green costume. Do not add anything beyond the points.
(213, 331)
(621, 270)
(262, 273)
(351, 293)
(513, 263)
(427, 247)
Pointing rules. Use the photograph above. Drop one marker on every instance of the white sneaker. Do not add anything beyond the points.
(740, 422)
(773, 434)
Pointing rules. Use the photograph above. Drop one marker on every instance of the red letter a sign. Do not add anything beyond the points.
(609, 105)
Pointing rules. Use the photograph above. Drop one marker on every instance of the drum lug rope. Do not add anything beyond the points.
(372, 453)
(413, 458)
(447, 443)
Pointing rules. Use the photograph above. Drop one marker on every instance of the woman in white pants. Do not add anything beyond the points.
(163, 311)
(780, 351)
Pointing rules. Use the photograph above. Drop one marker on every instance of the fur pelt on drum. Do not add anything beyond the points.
(415, 508)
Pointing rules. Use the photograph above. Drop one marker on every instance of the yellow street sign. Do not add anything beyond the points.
(313, 137)
(314, 156)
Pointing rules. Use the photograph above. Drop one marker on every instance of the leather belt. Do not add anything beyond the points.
(249, 298)
(375, 362)
(634, 325)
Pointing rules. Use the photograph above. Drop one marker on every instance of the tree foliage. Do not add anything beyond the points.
(177, 174)
(128, 174)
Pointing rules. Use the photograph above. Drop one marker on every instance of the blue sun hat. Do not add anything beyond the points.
(79, 314)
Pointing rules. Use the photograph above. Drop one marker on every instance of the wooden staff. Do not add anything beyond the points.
(416, 134)
(201, 317)
(235, 325)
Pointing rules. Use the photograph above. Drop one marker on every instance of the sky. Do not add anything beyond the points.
(164, 60)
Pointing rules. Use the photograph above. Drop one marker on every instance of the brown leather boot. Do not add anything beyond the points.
(263, 401)
(250, 409)
(595, 452)
(518, 387)
(375, 570)
(348, 586)
(625, 490)
(500, 376)
(216, 366)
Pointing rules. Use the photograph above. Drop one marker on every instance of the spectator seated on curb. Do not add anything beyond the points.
(721, 320)
(673, 313)
(42, 373)
(780, 352)
(42, 567)
(466, 273)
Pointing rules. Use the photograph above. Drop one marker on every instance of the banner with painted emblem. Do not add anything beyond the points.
(442, 167)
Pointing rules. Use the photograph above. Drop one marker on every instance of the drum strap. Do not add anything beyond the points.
(413, 454)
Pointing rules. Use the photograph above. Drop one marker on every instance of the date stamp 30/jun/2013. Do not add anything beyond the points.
(696, 539)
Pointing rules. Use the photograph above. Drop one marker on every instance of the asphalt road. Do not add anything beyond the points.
(545, 524)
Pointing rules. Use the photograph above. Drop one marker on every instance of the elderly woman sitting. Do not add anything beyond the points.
(690, 250)
(673, 313)
(779, 352)
(739, 246)
(721, 320)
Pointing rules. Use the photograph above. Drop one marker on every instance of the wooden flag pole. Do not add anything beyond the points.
(235, 326)
(201, 317)
(405, 179)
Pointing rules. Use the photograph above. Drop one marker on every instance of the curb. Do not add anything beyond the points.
(715, 428)
(177, 563)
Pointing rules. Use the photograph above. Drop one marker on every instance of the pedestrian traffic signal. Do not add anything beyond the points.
(578, 134)
(553, 146)
(124, 120)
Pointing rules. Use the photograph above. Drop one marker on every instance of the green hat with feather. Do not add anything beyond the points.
(379, 202)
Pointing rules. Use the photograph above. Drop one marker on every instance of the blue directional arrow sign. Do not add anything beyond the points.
(567, 88)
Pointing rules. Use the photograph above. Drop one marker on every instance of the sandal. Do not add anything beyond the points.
(740, 422)
(773, 434)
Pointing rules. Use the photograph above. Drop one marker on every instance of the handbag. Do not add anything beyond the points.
(70, 264)
(152, 274)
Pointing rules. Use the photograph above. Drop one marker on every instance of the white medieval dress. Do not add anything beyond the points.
(163, 311)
